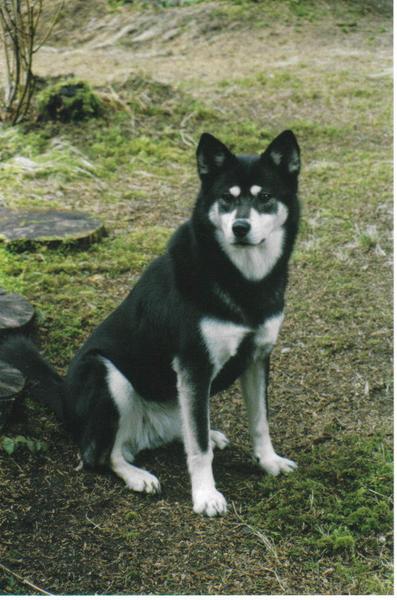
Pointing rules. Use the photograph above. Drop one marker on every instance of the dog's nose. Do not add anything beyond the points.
(241, 228)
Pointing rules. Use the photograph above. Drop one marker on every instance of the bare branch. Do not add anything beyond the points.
(50, 28)
(19, 24)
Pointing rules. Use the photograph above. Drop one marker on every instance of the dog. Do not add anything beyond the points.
(205, 313)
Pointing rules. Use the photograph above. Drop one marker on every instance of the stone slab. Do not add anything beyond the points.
(50, 227)
(16, 314)
(12, 384)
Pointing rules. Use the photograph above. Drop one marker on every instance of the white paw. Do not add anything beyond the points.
(143, 481)
(274, 465)
(210, 503)
(218, 439)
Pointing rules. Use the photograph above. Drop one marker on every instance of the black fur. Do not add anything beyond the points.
(45, 383)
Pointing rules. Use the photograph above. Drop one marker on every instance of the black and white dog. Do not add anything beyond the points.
(206, 312)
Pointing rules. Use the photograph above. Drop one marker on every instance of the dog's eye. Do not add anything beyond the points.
(265, 198)
(266, 201)
(226, 200)
(227, 197)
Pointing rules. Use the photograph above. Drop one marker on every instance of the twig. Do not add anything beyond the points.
(25, 581)
(263, 538)
(96, 526)
(186, 139)
(50, 27)
(266, 542)
(119, 100)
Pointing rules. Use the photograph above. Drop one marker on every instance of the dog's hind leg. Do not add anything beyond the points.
(135, 479)
(127, 435)
(218, 439)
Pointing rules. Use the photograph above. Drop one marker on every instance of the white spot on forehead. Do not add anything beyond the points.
(255, 189)
(235, 191)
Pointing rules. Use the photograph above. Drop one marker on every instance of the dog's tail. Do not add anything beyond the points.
(45, 383)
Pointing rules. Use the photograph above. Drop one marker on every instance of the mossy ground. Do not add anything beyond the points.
(322, 69)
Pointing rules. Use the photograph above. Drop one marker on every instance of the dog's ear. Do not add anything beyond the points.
(284, 154)
(212, 155)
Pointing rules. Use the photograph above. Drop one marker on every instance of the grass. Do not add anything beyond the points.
(324, 529)
(332, 517)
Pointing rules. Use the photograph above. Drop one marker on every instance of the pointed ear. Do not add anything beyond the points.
(212, 155)
(284, 153)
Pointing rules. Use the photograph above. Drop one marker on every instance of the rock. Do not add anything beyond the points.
(24, 228)
(16, 314)
(12, 384)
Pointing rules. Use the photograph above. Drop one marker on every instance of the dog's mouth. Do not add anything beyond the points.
(245, 244)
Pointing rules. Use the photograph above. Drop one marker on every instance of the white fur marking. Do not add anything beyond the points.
(206, 498)
(255, 262)
(267, 334)
(222, 340)
(253, 388)
(235, 191)
(141, 425)
(255, 189)
(266, 239)
(218, 439)
(146, 424)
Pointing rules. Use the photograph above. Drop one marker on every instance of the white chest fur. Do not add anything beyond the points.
(223, 338)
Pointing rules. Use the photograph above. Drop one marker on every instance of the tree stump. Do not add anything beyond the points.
(23, 229)
(12, 384)
(16, 314)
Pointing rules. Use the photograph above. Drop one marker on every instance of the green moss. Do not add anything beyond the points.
(337, 506)
(339, 541)
(63, 284)
(68, 101)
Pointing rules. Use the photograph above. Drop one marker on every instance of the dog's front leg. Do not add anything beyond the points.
(193, 397)
(254, 384)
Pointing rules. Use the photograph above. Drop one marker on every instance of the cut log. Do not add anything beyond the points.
(23, 229)
(12, 384)
(16, 314)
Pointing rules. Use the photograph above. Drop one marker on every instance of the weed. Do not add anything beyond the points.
(11, 444)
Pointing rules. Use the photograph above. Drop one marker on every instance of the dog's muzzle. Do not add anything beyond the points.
(241, 228)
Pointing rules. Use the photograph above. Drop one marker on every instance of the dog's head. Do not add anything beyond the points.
(247, 198)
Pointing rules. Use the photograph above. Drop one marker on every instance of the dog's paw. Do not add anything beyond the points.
(143, 481)
(209, 503)
(218, 439)
(274, 465)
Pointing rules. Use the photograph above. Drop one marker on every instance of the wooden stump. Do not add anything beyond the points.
(16, 314)
(23, 229)
(12, 384)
